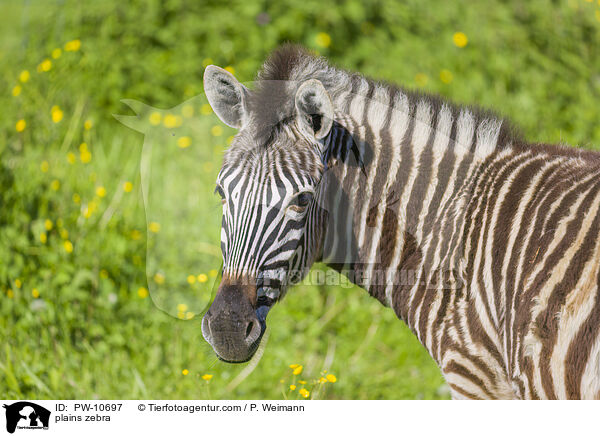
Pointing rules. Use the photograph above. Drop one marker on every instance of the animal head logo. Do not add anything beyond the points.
(26, 415)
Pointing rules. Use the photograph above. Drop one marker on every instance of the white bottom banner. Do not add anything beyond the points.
(295, 417)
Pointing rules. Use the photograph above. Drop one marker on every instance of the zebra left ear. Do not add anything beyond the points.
(314, 108)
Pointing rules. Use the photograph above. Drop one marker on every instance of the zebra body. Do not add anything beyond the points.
(484, 245)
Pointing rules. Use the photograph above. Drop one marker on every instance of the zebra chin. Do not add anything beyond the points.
(235, 323)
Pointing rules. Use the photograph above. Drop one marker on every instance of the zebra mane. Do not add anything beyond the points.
(290, 65)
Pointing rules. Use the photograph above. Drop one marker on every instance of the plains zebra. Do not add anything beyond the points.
(486, 246)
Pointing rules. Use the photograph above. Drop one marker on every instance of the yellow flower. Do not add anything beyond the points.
(206, 109)
(44, 166)
(18, 283)
(323, 40)
(331, 378)
(292, 387)
(207, 377)
(85, 156)
(55, 185)
(101, 191)
(103, 274)
(24, 76)
(302, 382)
(230, 139)
(189, 315)
(216, 130)
(76, 198)
(43, 237)
(202, 278)
(304, 392)
(187, 111)
(16, 90)
(83, 147)
(10, 293)
(136, 235)
(46, 65)
(155, 118)
(185, 372)
(181, 315)
(57, 114)
(73, 45)
(87, 125)
(213, 273)
(20, 126)
(172, 121)
(184, 142)
(182, 307)
(159, 278)
(191, 279)
(446, 76)
(71, 158)
(294, 365)
(48, 225)
(421, 79)
(64, 233)
(127, 186)
(460, 39)
(35, 293)
(230, 69)
(322, 380)
(56, 53)
(68, 245)
(142, 292)
(297, 370)
(89, 209)
(154, 227)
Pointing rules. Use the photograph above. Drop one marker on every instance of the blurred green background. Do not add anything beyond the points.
(101, 297)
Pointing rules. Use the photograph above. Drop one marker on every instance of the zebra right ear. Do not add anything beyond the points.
(226, 96)
(314, 108)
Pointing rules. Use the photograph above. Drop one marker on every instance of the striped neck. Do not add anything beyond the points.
(402, 168)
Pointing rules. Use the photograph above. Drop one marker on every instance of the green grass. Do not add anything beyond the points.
(90, 334)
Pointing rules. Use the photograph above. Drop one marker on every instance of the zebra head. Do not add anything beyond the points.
(270, 186)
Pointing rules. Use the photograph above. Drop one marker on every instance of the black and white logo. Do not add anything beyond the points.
(26, 415)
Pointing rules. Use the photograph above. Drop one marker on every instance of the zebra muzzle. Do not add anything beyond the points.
(235, 322)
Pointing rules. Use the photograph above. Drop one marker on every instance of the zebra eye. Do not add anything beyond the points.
(300, 202)
(219, 190)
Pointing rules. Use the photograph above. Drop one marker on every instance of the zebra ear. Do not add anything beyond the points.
(226, 96)
(314, 108)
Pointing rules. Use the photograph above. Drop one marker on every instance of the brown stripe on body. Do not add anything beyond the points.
(464, 393)
(550, 260)
(556, 186)
(501, 233)
(546, 324)
(457, 368)
(581, 346)
(526, 228)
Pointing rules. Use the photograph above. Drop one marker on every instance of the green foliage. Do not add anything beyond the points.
(76, 320)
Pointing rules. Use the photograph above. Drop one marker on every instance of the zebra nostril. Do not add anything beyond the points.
(253, 331)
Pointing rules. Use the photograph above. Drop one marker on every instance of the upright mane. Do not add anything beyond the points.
(290, 65)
